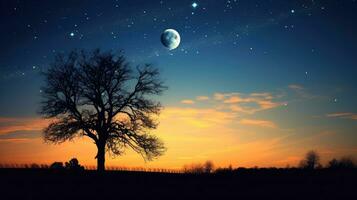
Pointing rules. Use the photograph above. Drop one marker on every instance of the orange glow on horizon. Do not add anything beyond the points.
(191, 135)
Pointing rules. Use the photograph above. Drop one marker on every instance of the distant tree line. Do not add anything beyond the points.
(207, 167)
(311, 161)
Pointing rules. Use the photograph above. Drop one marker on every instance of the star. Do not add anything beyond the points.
(194, 5)
(71, 34)
(292, 11)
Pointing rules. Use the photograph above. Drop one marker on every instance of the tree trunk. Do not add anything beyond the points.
(101, 157)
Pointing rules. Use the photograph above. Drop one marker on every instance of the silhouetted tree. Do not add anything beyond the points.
(100, 96)
(311, 161)
(208, 166)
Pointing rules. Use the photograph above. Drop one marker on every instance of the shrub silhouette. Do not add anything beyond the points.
(34, 166)
(198, 168)
(228, 169)
(343, 163)
(57, 166)
(73, 164)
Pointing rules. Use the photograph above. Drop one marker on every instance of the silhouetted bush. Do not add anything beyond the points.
(73, 164)
(343, 163)
(57, 166)
(198, 168)
(34, 166)
(194, 168)
(228, 169)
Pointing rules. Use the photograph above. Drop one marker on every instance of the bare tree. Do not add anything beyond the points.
(100, 96)
(311, 161)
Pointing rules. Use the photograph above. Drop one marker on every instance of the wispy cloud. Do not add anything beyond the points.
(260, 123)
(202, 98)
(343, 115)
(14, 140)
(302, 92)
(187, 101)
(10, 125)
(295, 87)
(198, 117)
(248, 103)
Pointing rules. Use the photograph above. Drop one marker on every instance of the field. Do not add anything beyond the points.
(238, 184)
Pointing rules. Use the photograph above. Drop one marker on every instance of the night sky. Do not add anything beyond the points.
(251, 83)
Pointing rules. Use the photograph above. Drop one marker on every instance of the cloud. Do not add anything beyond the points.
(198, 117)
(202, 98)
(302, 92)
(11, 125)
(14, 140)
(248, 103)
(218, 96)
(295, 87)
(260, 123)
(187, 101)
(7, 119)
(343, 115)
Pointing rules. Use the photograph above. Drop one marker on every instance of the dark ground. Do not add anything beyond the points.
(241, 184)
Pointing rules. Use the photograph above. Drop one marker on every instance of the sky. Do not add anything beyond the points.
(252, 83)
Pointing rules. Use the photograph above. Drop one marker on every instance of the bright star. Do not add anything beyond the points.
(194, 5)
(71, 34)
(292, 11)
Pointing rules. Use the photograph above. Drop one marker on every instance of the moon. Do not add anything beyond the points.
(171, 39)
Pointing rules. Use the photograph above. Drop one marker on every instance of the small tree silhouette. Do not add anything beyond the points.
(98, 95)
(311, 161)
(73, 164)
(208, 166)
